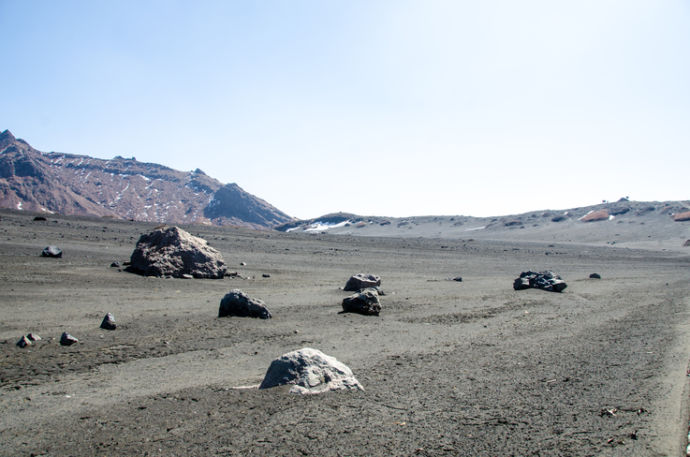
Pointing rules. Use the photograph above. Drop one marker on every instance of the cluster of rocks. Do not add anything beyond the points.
(365, 300)
(66, 339)
(28, 340)
(545, 280)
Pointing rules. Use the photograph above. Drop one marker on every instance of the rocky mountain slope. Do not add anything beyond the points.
(655, 225)
(123, 188)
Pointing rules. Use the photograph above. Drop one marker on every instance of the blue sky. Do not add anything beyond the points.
(376, 107)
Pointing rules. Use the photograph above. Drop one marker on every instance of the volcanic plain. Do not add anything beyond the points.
(453, 368)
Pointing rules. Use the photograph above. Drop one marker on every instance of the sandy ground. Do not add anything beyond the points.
(469, 368)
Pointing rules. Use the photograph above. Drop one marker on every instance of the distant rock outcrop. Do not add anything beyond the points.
(310, 371)
(171, 251)
(594, 216)
(125, 188)
(682, 217)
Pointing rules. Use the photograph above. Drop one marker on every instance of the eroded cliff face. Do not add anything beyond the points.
(125, 188)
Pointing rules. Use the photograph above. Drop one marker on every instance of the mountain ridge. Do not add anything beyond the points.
(73, 184)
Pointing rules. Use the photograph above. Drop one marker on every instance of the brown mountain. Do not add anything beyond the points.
(32, 180)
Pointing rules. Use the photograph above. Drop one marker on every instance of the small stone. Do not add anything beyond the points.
(115, 265)
(23, 342)
(244, 264)
(108, 322)
(265, 275)
(186, 276)
(595, 276)
(67, 340)
(33, 337)
(457, 279)
(52, 251)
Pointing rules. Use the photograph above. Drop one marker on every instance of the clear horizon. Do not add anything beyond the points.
(390, 108)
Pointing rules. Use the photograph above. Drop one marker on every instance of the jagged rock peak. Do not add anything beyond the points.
(6, 138)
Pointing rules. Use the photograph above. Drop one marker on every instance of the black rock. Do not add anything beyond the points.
(52, 251)
(40, 218)
(237, 303)
(545, 280)
(108, 322)
(365, 302)
(23, 342)
(595, 276)
(67, 340)
(457, 279)
(115, 265)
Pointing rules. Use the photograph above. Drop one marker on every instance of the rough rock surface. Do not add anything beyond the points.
(681, 217)
(363, 302)
(594, 216)
(237, 303)
(362, 281)
(123, 188)
(67, 340)
(309, 371)
(546, 280)
(108, 322)
(171, 251)
(52, 251)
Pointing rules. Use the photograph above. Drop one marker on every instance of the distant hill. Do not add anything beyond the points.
(624, 223)
(71, 184)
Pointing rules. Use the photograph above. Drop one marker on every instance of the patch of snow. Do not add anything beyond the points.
(19, 206)
(612, 217)
(472, 229)
(321, 226)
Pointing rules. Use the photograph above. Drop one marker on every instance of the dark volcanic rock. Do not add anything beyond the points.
(173, 252)
(546, 280)
(52, 251)
(364, 302)
(237, 303)
(108, 322)
(67, 340)
(23, 342)
(231, 204)
(595, 276)
(362, 281)
(309, 371)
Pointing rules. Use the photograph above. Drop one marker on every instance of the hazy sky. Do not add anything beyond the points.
(376, 107)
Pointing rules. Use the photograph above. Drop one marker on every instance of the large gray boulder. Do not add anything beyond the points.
(309, 371)
(237, 303)
(362, 281)
(170, 251)
(364, 302)
(545, 280)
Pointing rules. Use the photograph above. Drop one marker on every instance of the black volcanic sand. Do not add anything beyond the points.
(468, 368)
